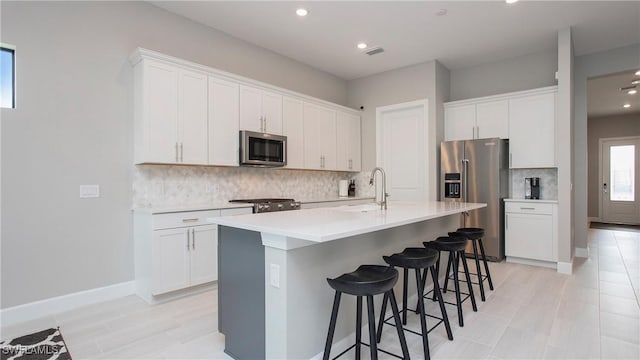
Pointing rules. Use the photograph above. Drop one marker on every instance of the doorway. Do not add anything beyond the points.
(401, 149)
(620, 180)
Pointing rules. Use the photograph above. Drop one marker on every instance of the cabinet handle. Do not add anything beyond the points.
(350, 162)
(477, 132)
(506, 222)
(510, 157)
(190, 220)
(187, 239)
(181, 153)
(527, 208)
(193, 239)
(176, 151)
(264, 120)
(321, 161)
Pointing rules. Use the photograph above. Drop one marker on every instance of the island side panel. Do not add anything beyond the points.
(241, 305)
(298, 311)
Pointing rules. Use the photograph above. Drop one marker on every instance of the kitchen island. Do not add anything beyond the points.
(274, 301)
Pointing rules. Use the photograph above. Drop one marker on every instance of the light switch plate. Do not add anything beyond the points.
(89, 191)
(275, 275)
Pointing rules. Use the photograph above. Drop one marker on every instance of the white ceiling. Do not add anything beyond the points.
(605, 98)
(471, 33)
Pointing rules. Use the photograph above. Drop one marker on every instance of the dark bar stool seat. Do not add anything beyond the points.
(475, 235)
(420, 260)
(455, 245)
(367, 280)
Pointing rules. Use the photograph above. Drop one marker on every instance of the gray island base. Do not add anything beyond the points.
(274, 301)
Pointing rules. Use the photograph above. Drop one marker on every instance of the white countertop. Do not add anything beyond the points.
(540, 201)
(334, 198)
(196, 207)
(326, 224)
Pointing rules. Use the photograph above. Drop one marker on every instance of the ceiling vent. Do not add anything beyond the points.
(374, 51)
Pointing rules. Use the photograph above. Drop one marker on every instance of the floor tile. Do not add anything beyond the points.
(620, 327)
(619, 350)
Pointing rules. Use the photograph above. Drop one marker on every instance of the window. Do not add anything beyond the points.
(7, 77)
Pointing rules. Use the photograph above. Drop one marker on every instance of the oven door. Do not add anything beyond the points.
(266, 150)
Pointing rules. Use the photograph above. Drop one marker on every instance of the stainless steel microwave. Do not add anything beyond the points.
(259, 149)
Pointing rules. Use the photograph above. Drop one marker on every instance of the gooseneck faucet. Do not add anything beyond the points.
(383, 203)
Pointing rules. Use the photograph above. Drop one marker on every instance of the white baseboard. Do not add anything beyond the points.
(47, 307)
(582, 252)
(565, 267)
(592, 219)
(517, 260)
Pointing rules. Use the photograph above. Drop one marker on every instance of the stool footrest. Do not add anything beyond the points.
(441, 320)
(367, 345)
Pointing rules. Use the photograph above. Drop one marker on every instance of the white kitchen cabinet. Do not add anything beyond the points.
(531, 231)
(532, 131)
(320, 143)
(224, 103)
(170, 114)
(260, 110)
(293, 129)
(348, 153)
(476, 119)
(176, 250)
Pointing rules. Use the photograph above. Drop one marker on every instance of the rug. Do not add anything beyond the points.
(618, 227)
(43, 345)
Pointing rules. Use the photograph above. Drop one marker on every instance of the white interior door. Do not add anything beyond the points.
(402, 149)
(620, 180)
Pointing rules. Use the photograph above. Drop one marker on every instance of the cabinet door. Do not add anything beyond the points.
(312, 138)
(170, 260)
(348, 142)
(223, 122)
(250, 109)
(160, 112)
(293, 129)
(272, 112)
(459, 122)
(192, 118)
(532, 131)
(204, 254)
(328, 140)
(492, 120)
(529, 236)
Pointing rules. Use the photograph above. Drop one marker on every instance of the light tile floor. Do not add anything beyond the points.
(532, 313)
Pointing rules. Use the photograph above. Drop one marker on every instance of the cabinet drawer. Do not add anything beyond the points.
(528, 208)
(183, 219)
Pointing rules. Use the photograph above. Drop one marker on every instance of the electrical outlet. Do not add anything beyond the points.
(275, 275)
(89, 191)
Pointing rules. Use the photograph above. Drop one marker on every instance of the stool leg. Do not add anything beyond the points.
(423, 321)
(358, 326)
(453, 257)
(446, 275)
(332, 326)
(405, 285)
(486, 266)
(382, 314)
(373, 345)
(424, 284)
(436, 289)
(437, 272)
(466, 274)
(478, 269)
(396, 317)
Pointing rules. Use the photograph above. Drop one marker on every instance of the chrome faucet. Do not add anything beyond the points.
(383, 203)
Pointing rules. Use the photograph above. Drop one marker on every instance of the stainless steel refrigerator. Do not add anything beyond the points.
(477, 171)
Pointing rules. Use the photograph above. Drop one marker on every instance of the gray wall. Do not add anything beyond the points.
(520, 73)
(423, 81)
(73, 125)
(587, 66)
(599, 128)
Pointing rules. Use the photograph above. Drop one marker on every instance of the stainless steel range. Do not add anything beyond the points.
(270, 205)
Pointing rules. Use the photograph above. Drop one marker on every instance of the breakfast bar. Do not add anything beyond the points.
(274, 300)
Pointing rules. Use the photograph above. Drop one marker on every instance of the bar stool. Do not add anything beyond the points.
(475, 235)
(455, 245)
(420, 260)
(367, 280)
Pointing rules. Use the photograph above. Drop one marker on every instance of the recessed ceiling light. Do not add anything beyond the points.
(638, 72)
(635, 82)
(632, 92)
(626, 106)
(362, 45)
(511, 1)
(302, 12)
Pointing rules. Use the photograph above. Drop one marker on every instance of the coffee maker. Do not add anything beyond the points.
(532, 188)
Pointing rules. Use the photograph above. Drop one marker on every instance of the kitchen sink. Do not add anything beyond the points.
(359, 208)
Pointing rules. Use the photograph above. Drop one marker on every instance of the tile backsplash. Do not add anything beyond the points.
(548, 182)
(168, 185)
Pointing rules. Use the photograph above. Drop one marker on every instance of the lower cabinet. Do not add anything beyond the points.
(531, 231)
(175, 251)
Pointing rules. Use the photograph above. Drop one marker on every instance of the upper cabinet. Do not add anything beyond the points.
(532, 131)
(224, 105)
(526, 118)
(319, 137)
(476, 121)
(170, 114)
(260, 110)
(348, 142)
(293, 129)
